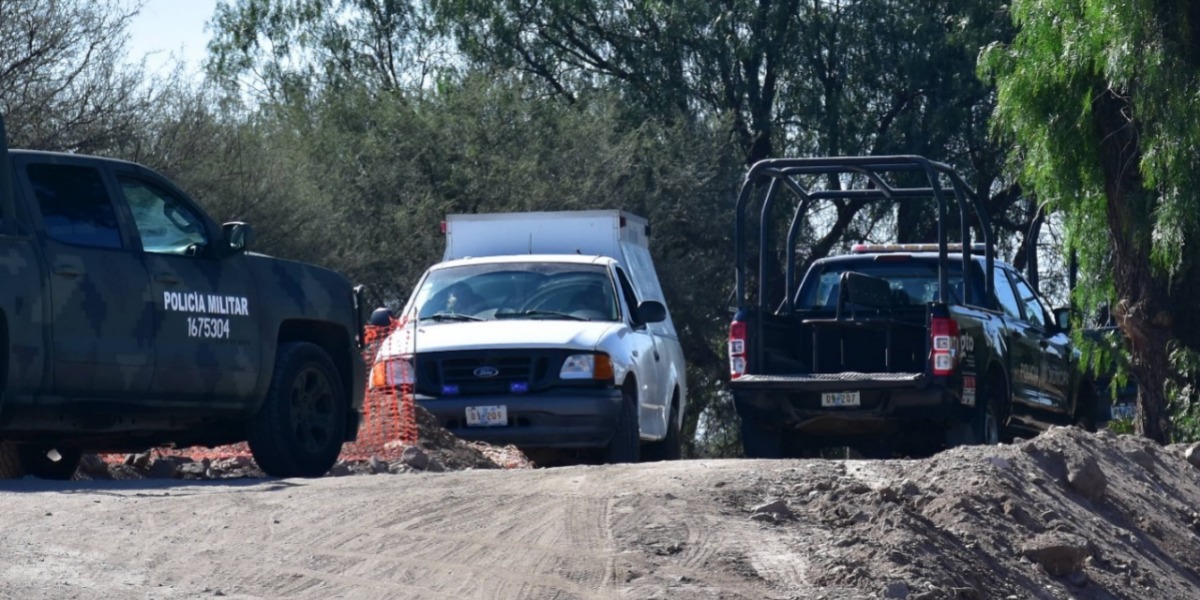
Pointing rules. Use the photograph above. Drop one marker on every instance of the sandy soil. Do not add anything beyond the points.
(1067, 515)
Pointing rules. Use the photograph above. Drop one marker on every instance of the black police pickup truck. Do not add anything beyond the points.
(892, 348)
(130, 319)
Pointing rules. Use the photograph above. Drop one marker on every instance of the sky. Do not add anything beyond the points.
(167, 29)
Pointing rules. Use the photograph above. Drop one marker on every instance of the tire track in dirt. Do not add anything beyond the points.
(549, 558)
(558, 534)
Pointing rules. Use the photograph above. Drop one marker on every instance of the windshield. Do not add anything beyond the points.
(517, 291)
(912, 281)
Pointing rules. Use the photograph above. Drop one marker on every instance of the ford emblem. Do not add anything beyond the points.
(486, 372)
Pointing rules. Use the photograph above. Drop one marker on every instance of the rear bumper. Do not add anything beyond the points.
(574, 418)
(889, 403)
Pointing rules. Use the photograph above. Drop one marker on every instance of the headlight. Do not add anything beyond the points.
(391, 372)
(587, 366)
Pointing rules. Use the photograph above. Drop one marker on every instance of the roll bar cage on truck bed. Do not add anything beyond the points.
(783, 173)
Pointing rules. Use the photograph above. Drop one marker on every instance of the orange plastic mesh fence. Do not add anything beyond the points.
(389, 421)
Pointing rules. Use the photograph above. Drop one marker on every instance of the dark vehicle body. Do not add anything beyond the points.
(1117, 395)
(131, 319)
(892, 348)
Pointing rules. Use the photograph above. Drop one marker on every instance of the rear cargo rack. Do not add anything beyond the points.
(780, 173)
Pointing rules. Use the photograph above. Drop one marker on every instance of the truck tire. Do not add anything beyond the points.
(625, 447)
(299, 429)
(667, 448)
(983, 426)
(761, 441)
(35, 461)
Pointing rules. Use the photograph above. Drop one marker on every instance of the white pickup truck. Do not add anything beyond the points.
(544, 330)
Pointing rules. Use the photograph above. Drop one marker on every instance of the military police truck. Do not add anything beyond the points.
(130, 319)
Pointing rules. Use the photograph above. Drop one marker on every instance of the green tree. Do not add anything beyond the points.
(1100, 99)
(798, 77)
(65, 83)
(277, 49)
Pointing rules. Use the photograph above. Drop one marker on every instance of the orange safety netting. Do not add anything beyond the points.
(389, 421)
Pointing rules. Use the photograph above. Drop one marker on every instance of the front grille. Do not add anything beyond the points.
(460, 373)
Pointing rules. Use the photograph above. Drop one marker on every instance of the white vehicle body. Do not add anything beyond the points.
(494, 334)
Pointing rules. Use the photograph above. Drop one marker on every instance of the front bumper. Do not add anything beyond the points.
(557, 418)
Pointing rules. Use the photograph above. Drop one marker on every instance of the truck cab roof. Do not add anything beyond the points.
(580, 259)
(48, 154)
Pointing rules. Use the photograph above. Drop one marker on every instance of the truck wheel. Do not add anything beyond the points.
(667, 448)
(983, 426)
(35, 460)
(625, 447)
(299, 429)
(10, 462)
(761, 442)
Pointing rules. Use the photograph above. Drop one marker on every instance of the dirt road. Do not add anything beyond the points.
(970, 523)
(557, 533)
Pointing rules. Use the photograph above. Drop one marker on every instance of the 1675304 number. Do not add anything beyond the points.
(206, 327)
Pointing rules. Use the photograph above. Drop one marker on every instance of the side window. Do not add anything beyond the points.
(627, 292)
(165, 224)
(1034, 311)
(1005, 295)
(75, 205)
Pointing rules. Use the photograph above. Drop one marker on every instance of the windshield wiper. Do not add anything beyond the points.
(539, 313)
(445, 316)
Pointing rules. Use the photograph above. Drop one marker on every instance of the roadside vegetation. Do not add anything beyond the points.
(345, 130)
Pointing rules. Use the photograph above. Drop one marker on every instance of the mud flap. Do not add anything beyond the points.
(10, 462)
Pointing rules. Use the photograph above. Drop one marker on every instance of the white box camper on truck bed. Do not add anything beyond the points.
(590, 232)
(545, 330)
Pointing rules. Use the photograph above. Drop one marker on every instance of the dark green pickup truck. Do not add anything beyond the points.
(892, 347)
(131, 319)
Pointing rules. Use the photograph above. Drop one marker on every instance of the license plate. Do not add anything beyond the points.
(487, 416)
(836, 399)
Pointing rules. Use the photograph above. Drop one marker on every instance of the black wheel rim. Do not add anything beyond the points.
(991, 429)
(312, 407)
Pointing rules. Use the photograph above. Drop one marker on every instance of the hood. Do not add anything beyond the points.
(509, 333)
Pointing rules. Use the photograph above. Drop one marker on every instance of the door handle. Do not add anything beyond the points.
(166, 278)
(67, 271)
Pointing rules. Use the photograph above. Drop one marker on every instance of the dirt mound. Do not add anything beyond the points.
(1065, 515)
(436, 451)
(455, 454)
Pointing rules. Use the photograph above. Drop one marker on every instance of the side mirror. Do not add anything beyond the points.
(651, 311)
(380, 317)
(1062, 318)
(239, 237)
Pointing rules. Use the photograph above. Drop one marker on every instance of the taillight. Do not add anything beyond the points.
(943, 332)
(737, 349)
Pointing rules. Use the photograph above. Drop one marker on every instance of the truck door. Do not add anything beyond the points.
(649, 363)
(102, 315)
(1024, 349)
(207, 338)
(1054, 347)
